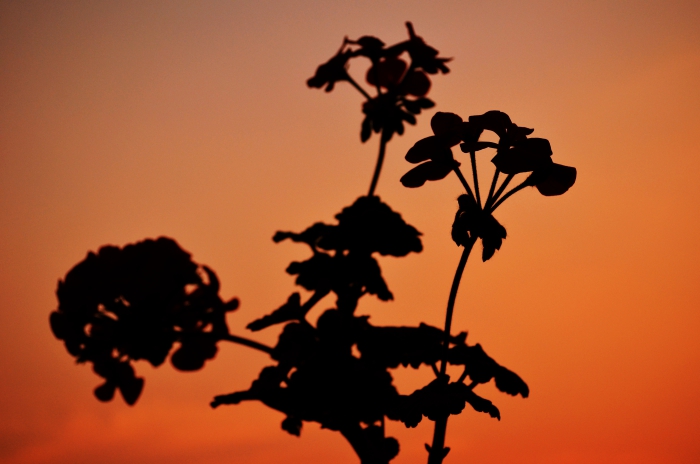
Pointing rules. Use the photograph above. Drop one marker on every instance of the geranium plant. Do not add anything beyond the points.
(150, 301)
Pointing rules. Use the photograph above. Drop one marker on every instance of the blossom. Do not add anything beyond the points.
(122, 305)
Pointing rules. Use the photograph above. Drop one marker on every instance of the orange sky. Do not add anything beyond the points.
(126, 120)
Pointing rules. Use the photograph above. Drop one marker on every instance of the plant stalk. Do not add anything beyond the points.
(249, 343)
(472, 155)
(378, 168)
(464, 182)
(507, 195)
(437, 450)
(500, 190)
(358, 87)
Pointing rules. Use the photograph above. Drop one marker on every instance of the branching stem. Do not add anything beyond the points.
(507, 195)
(500, 190)
(248, 343)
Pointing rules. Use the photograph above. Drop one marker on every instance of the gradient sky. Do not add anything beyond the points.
(125, 120)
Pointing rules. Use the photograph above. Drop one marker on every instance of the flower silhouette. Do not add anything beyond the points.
(123, 305)
(516, 153)
(401, 85)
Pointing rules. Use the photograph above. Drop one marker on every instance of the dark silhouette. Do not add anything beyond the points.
(138, 302)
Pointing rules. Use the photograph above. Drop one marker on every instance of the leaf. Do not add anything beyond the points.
(289, 311)
(481, 404)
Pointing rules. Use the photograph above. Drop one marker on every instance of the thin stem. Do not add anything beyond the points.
(437, 451)
(472, 154)
(378, 168)
(493, 187)
(505, 197)
(451, 301)
(500, 190)
(463, 181)
(357, 86)
(248, 343)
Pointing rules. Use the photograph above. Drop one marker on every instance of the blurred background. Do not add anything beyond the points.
(125, 120)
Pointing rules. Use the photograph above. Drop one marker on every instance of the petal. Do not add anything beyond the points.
(476, 146)
(416, 83)
(496, 121)
(470, 133)
(527, 155)
(431, 170)
(512, 161)
(443, 123)
(516, 132)
(387, 72)
(534, 147)
(424, 149)
(559, 180)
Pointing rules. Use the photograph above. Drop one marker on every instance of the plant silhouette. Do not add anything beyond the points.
(146, 300)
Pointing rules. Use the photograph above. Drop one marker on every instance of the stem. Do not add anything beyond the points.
(472, 154)
(248, 343)
(492, 189)
(463, 181)
(378, 168)
(451, 301)
(501, 189)
(437, 450)
(505, 197)
(357, 86)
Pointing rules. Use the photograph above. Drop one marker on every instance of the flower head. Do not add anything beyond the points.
(123, 305)
(399, 73)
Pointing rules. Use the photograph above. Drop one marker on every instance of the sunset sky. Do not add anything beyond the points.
(127, 120)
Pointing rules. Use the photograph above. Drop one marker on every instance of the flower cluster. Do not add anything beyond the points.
(516, 153)
(400, 86)
(122, 305)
